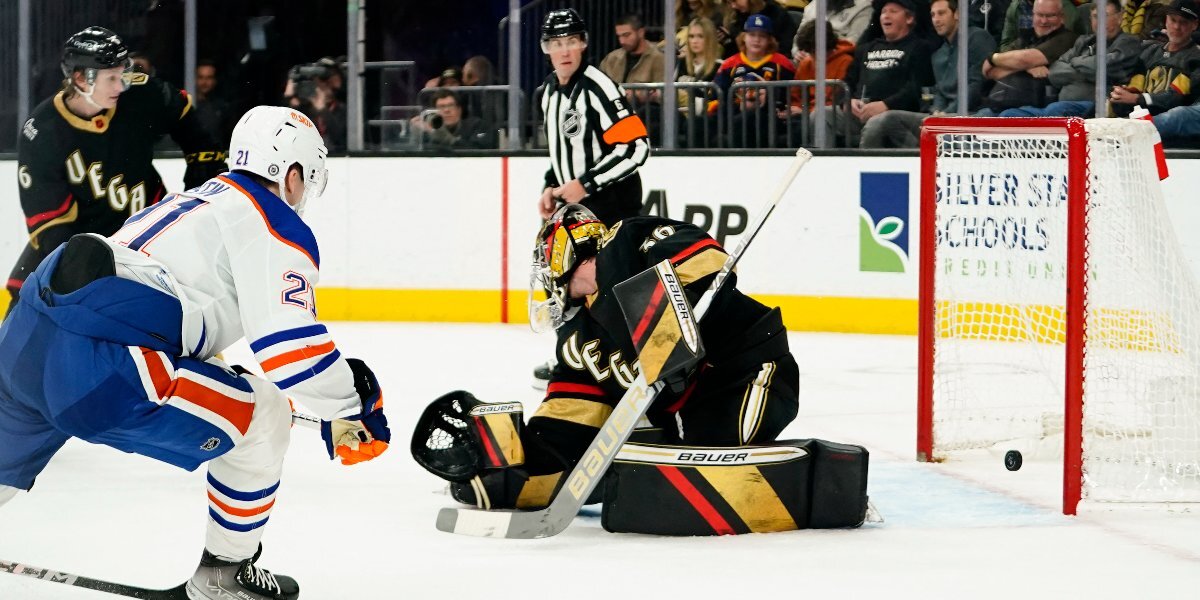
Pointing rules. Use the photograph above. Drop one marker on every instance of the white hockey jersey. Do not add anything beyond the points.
(242, 264)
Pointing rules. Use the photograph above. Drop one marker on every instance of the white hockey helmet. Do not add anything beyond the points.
(268, 140)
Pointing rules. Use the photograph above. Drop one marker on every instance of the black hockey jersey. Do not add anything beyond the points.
(80, 175)
(596, 359)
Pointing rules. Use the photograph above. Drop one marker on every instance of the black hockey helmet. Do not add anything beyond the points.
(563, 22)
(92, 49)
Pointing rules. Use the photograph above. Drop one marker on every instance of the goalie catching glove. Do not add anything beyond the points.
(458, 436)
(363, 437)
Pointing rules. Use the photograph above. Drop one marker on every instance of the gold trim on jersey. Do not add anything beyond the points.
(96, 124)
(754, 403)
(189, 105)
(701, 265)
(69, 217)
(575, 410)
(537, 491)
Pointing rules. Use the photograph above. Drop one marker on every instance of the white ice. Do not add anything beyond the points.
(969, 530)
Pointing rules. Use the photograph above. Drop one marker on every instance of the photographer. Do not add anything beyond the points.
(313, 89)
(445, 128)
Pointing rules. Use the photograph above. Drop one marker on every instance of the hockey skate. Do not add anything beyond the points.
(219, 579)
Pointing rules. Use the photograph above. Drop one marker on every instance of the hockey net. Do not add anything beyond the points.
(1057, 309)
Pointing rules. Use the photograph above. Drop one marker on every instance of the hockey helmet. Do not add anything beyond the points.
(572, 235)
(93, 49)
(268, 140)
(562, 22)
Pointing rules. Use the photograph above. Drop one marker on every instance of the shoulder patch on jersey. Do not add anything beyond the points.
(282, 222)
(29, 130)
(135, 78)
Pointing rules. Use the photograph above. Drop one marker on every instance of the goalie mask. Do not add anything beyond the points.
(572, 235)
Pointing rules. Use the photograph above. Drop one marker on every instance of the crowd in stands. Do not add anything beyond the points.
(889, 65)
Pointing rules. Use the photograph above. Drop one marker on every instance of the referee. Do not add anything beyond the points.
(596, 141)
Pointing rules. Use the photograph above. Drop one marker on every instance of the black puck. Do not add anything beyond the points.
(1012, 460)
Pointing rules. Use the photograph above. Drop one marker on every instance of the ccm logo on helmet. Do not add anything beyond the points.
(301, 119)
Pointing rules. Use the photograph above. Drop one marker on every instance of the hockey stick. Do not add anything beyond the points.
(119, 589)
(580, 482)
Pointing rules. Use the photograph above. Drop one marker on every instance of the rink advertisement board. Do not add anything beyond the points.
(450, 239)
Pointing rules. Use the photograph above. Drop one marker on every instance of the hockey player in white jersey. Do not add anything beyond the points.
(113, 341)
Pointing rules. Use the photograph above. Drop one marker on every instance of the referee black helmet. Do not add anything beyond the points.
(563, 22)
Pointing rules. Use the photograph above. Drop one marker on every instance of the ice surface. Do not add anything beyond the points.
(970, 530)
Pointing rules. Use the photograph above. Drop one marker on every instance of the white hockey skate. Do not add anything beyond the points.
(219, 579)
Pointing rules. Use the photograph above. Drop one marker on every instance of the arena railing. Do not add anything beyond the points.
(761, 126)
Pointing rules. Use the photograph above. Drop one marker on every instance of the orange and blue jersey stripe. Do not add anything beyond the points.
(293, 356)
(214, 397)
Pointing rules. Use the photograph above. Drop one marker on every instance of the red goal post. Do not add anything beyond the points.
(1011, 282)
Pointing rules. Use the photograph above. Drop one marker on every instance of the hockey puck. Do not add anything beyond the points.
(1012, 460)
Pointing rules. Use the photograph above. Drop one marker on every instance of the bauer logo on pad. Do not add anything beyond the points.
(660, 321)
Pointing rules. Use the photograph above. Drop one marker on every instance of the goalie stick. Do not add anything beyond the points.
(580, 482)
(119, 589)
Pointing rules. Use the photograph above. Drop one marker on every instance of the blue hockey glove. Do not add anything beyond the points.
(362, 437)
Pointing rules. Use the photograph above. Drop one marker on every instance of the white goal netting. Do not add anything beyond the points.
(999, 366)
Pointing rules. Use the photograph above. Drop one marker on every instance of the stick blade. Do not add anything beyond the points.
(477, 523)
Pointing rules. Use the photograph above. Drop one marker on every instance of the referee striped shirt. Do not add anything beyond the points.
(593, 134)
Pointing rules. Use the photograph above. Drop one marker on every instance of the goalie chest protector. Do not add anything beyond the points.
(794, 484)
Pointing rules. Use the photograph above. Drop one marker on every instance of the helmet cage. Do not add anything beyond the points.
(572, 235)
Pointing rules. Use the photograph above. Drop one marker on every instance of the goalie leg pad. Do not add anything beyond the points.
(458, 436)
(731, 490)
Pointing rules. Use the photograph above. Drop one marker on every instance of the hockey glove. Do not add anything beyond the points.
(365, 436)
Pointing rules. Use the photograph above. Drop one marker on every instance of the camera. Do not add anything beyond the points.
(432, 118)
(304, 78)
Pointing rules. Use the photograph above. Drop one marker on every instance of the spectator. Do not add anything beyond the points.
(783, 28)
(1020, 24)
(212, 111)
(849, 18)
(1140, 17)
(922, 28)
(758, 60)
(701, 56)
(1020, 73)
(1074, 73)
(901, 128)
(477, 71)
(313, 90)
(450, 77)
(700, 61)
(1162, 76)
(839, 55)
(887, 73)
(450, 130)
(636, 60)
(988, 15)
(687, 11)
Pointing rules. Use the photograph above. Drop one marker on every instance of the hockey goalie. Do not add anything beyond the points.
(706, 460)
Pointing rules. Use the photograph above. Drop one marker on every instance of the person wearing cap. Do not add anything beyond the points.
(596, 141)
(902, 128)
(759, 59)
(1073, 75)
(1162, 79)
(783, 27)
(84, 156)
(887, 74)
(1020, 73)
